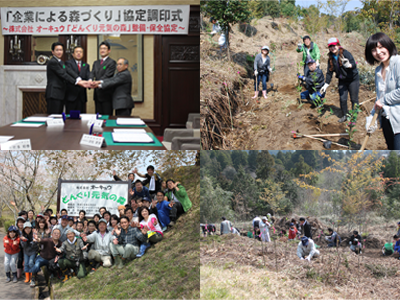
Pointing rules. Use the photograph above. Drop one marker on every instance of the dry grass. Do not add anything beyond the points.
(234, 267)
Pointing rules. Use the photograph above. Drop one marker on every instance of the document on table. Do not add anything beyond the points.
(26, 125)
(123, 137)
(5, 138)
(88, 116)
(129, 130)
(55, 116)
(130, 121)
(36, 119)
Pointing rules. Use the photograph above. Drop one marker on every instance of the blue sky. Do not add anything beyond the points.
(350, 6)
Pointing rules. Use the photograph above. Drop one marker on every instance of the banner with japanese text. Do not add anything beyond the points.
(91, 195)
(142, 19)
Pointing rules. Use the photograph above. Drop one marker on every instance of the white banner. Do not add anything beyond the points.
(90, 196)
(141, 19)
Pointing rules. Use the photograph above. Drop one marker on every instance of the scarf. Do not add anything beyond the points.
(152, 186)
(71, 243)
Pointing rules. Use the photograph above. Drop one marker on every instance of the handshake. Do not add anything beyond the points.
(89, 84)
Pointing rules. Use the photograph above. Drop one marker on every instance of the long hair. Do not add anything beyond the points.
(140, 213)
(41, 220)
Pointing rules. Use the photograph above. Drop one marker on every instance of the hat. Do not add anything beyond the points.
(20, 218)
(13, 228)
(291, 224)
(333, 41)
(264, 218)
(355, 232)
(64, 217)
(398, 223)
(310, 61)
(70, 218)
(40, 216)
(306, 37)
(146, 199)
(304, 240)
(121, 207)
(268, 214)
(102, 220)
(265, 48)
(53, 217)
(27, 224)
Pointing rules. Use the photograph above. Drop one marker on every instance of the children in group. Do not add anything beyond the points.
(11, 249)
(30, 251)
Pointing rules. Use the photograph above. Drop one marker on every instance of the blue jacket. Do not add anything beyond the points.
(397, 246)
(143, 193)
(163, 213)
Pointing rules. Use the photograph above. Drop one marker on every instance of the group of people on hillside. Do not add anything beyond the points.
(63, 246)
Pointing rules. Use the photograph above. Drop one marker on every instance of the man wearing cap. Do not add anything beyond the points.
(262, 69)
(225, 226)
(100, 250)
(64, 227)
(333, 239)
(343, 64)
(355, 242)
(306, 249)
(126, 242)
(310, 50)
(314, 80)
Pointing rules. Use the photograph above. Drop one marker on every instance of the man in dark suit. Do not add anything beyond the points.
(121, 85)
(305, 228)
(102, 69)
(57, 77)
(76, 97)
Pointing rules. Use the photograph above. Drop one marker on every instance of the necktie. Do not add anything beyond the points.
(79, 66)
(101, 62)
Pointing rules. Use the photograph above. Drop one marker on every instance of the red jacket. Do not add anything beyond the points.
(9, 247)
(292, 233)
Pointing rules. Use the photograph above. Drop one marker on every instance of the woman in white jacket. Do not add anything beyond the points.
(264, 229)
(381, 49)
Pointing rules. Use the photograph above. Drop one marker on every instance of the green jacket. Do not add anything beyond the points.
(182, 197)
(314, 52)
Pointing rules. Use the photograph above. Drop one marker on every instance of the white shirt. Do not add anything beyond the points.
(381, 88)
(149, 224)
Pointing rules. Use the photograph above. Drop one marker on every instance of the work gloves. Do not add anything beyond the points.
(370, 128)
(346, 63)
(301, 77)
(323, 89)
(300, 45)
(255, 73)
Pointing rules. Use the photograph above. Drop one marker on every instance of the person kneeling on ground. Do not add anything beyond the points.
(47, 256)
(387, 249)
(314, 80)
(150, 223)
(126, 243)
(306, 249)
(334, 239)
(178, 196)
(100, 250)
(75, 255)
(355, 242)
(397, 246)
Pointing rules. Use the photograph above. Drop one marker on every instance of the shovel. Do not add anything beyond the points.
(364, 144)
(327, 144)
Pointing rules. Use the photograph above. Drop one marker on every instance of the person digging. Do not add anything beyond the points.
(314, 80)
(262, 70)
(355, 242)
(306, 249)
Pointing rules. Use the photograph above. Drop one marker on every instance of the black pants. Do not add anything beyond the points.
(54, 106)
(176, 211)
(346, 87)
(104, 108)
(74, 105)
(123, 112)
(392, 140)
(20, 259)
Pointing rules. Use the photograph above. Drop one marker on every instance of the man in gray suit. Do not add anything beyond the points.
(122, 100)
(102, 69)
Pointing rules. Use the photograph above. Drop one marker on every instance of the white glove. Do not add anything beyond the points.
(368, 127)
(300, 46)
(270, 69)
(301, 258)
(255, 73)
(346, 63)
(308, 258)
(323, 89)
(222, 40)
(213, 32)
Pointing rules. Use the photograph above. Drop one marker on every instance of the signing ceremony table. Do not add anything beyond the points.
(68, 137)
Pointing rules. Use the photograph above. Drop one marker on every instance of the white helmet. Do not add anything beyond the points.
(265, 48)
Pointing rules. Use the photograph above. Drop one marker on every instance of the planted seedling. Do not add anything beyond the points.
(351, 122)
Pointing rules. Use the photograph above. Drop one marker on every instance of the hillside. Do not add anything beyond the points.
(232, 120)
(170, 270)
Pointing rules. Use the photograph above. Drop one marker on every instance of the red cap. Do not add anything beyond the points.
(333, 41)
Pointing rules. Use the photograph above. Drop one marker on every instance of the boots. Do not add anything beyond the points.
(45, 273)
(118, 262)
(33, 281)
(342, 119)
(142, 249)
(15, 279)
(65, 274)
(27, 277)
(19, 273)
(255, 95)
(8, 274)
(265, 94)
